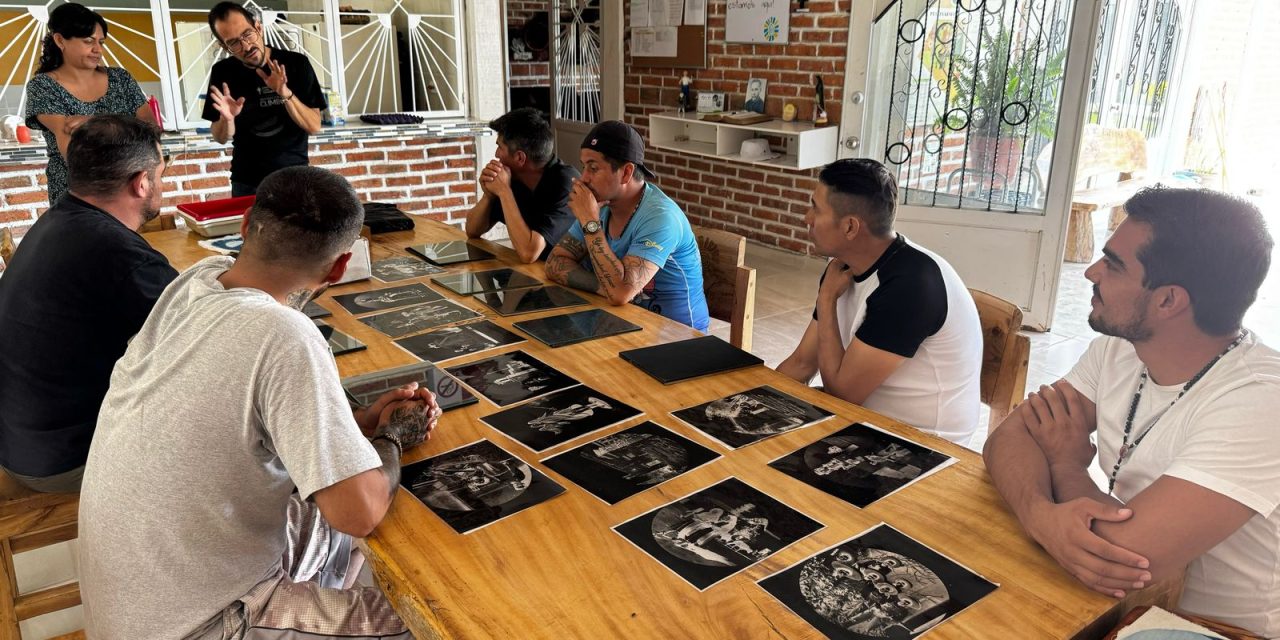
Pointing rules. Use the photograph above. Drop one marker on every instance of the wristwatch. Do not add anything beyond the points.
(592, 226)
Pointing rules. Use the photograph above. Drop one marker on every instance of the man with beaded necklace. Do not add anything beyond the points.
(1183, 400)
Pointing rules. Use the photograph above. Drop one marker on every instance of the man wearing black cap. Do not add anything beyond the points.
(631, 243)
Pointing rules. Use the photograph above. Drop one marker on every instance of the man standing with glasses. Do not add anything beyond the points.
(267, 101)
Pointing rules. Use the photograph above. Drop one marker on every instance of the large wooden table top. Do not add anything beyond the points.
(557, 570)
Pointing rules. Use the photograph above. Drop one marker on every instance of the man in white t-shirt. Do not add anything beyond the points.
(227, 473)
(895, 329)
(1184, 402)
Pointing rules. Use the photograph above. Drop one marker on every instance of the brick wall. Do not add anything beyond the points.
(431, 176)
(527, 74)
(764, 204)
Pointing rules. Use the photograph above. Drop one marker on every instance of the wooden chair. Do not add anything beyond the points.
(162, 222)
(28, 521)
(6, 246)
(1005, 353)
(730, 286)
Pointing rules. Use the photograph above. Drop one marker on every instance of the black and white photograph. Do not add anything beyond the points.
(509, 378)
(450, 394)
(402, 268)
(476, 485)
(481, 281)
(402, 322)
(572, 328)
(878, 584)
(622, 464)
(389, 298)
(710, 535)
(559, 417)
(314, 310)
(451, 342)
(339, 342)
(750, 416)
(447, 253)
(517, 301)
(861, 464)
(756, 95)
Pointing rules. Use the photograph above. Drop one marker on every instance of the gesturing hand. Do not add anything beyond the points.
(1065, 532)
(583, 203)
(277, 80)
(1060, 420)
(226, 106)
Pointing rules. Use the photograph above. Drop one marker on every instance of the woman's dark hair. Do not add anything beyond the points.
(70, 20)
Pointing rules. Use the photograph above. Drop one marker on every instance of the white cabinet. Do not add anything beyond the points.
(802, 145)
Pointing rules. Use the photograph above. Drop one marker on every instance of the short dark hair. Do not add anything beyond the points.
(107, 151)
(868, 180)
(222, 10)
(1214, 245)
(304, 217)
(527, 130)
(70, 20)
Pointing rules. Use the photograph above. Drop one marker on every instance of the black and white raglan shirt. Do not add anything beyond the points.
(912, 303)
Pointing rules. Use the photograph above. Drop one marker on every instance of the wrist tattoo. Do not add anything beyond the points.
(389, 452)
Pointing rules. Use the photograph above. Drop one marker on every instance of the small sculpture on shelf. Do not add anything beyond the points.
(685, 83)
(819, 103)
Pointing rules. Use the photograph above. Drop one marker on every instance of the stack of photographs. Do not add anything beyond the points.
(389, 298)
(861, 464)
(572, 328)
(620, 465)
(750, 416)
(466, 284)
(559, 417)
(509, 378)
(364, 389)
(339, 342)
(710, 535)
(878, 584)
(401, 268)
(418, 318)
(476, 485)
(517, 301)
(447, 253)
(452, 342)
(692, 358)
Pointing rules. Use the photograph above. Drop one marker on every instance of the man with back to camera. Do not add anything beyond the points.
(525, 186)
(80, 285)
(228, 475)
(1182, 399)
(894, 329)
(267, 101)
(630, 242)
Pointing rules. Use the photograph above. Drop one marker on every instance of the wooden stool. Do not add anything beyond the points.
(31, 520)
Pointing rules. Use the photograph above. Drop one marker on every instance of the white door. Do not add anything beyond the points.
(975, 105)
(586, 70)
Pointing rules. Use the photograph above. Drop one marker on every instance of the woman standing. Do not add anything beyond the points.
(71, 86)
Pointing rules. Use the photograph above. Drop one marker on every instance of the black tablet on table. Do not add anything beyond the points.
(572, 328)
(677, 361)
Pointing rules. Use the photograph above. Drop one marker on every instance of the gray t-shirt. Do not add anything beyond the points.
(223, 403)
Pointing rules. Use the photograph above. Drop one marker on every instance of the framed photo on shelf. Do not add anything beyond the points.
(711, 102)
(757, 91)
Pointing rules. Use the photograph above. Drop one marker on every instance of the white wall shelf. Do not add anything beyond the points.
(804, 145)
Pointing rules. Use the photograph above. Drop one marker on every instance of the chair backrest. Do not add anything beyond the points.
(1005, 353)
(162, 222)
(730, 286)
(6, 245)
(28, 521)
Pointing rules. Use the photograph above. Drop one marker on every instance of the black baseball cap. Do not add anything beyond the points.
(614, 139)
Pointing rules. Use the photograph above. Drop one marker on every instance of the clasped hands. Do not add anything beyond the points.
(409, 413)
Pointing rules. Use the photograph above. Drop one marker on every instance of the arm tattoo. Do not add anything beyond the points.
(580, 278)
(389, 453)
(409, 423)
(606, 264)
(576, 249)
(637, 272)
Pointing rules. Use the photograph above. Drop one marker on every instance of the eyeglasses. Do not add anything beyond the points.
(236, 44)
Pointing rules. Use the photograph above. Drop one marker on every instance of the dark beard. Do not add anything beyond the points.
(1133, 331)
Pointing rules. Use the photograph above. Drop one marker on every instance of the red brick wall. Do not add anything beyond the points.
(431, 176)
(763, 204)
(527, 74)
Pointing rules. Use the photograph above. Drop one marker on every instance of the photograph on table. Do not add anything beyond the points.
(447, 253)
(861, 464)
(402, 322)
(559, 417)
(481, 281)
(509, 378)
(572, 328)
(389, 298)
(877, 584)
(364, 389)
(750, 416)
(622, 464)
(682, 360)
(451, 342)
(716, 532)
(517, 301)
(402, 268)
(314, 310)
(339, 342)
(477, 485)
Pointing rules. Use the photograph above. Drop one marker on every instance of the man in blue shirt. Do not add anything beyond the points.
(631, 243)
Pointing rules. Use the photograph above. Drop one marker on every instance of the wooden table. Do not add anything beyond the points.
(556, 570)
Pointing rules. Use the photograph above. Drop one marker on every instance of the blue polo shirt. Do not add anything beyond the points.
(660, 233)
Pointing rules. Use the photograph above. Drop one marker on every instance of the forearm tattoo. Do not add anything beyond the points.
(580, 278)
(409, 423)
(389, 453)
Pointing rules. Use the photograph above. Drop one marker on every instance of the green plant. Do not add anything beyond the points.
(999, 80)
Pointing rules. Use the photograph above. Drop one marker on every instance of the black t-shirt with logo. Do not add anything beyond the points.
(545, 208)
(266, 137)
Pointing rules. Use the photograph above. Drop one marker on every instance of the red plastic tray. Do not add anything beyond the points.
(214, 209)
